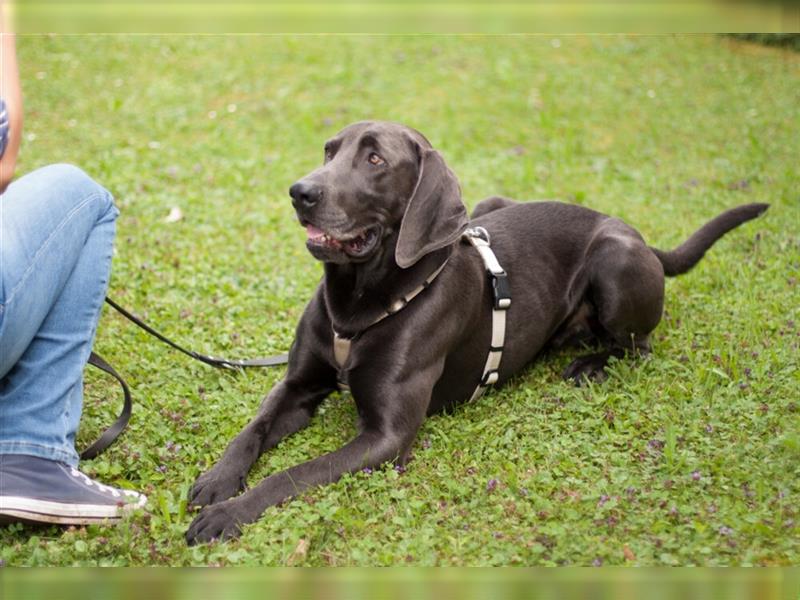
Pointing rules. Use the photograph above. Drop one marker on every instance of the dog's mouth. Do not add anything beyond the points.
(356, 245)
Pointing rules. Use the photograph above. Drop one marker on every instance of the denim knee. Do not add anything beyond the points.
(75, 183)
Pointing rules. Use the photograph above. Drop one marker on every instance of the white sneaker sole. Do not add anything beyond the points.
(13, 508)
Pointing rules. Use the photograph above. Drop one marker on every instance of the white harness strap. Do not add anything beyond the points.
(341, 352)
(341, 349)
(501, 293)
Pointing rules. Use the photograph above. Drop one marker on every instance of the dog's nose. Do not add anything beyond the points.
(305, 194)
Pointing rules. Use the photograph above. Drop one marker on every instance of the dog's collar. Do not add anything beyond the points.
(341, 344)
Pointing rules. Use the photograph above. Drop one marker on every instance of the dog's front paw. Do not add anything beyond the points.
(220, 521)
(213, 486)
(590, 367)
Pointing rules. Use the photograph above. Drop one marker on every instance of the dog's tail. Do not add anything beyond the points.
(687, 255)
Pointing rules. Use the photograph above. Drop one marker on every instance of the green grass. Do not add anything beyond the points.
(689, 457)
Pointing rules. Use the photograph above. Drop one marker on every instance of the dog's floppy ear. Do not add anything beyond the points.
(435, 216)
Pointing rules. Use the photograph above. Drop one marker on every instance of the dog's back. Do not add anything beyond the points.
(579, 275)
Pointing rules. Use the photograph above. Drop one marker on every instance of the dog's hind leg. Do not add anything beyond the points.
(626, 287)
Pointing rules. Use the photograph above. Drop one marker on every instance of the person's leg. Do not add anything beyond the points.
(56, 241)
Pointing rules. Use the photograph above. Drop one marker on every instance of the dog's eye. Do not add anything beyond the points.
(374, 159)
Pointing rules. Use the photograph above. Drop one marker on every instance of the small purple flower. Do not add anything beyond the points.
(426, 443)
(367, 470)
(161, 468)
(597, 562)
(726, 531)
(696, 475)
(172, 447)
(400, 469)
(603, 500)
(491, 485)
(709, 428)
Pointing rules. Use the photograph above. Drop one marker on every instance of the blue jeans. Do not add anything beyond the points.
(56, 240)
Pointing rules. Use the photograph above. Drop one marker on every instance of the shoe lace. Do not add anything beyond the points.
(90, 482)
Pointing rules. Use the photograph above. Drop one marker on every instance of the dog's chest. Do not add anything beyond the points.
(501, 301)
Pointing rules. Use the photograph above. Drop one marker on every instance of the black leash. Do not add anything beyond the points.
(214, 361)
(112, 433)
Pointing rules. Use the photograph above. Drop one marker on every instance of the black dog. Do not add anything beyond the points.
(404, 315)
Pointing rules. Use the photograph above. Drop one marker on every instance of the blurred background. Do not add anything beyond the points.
(394, 16)
(406, 584)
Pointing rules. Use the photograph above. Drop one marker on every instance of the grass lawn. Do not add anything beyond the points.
(690, 457)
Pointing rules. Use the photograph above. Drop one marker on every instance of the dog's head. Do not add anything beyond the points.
(379, 179)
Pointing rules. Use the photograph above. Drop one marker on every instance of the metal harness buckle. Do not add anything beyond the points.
(490, 377)
(501, 290)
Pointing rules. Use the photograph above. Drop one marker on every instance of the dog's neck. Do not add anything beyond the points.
(357, 294)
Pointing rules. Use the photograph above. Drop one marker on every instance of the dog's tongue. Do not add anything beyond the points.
(317, 236)
(314, 233)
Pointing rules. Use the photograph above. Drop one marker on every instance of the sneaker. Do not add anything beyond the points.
(38, 490)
